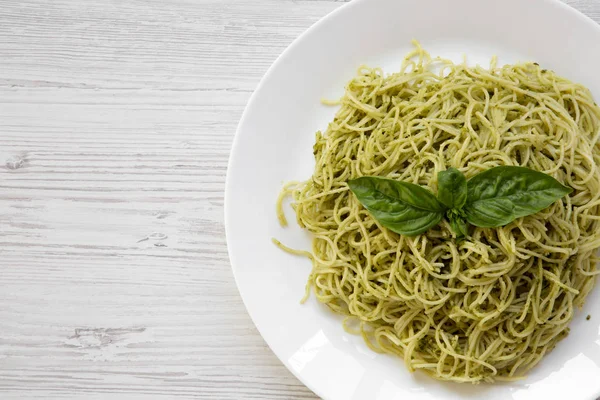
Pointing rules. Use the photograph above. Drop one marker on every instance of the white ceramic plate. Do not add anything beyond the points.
(274, 142)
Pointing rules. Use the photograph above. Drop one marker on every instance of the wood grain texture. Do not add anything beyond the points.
(116, 120)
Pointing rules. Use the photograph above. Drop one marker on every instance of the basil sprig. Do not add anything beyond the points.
(490, 199)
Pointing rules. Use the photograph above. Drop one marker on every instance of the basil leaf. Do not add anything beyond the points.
(459, 227)
(401, 207)
(499, 195)
(452, 188)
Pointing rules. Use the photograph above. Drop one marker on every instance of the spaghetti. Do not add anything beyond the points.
(486, 308)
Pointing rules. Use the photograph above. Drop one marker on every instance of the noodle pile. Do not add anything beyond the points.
(487, 308)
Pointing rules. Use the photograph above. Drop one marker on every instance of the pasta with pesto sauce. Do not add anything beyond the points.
(487, 308)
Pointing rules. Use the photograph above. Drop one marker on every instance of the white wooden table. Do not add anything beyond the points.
(116, 120)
